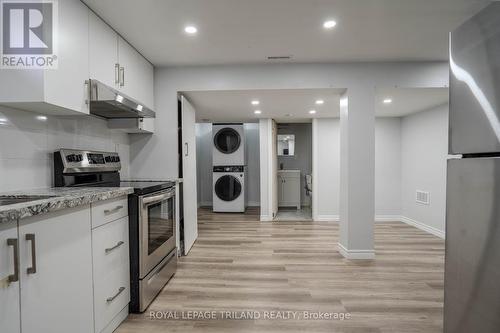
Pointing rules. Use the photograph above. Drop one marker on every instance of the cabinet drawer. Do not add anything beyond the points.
(109, 210)
(111, 295)
(110, 251)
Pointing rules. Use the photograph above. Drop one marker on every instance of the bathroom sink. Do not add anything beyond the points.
(10, 200)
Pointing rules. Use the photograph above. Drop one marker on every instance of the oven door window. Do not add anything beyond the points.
(160, 224)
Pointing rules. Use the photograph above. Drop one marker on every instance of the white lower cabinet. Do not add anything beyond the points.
(56, 272)
(289, 188)
(110, 251)
(59, 275)
(9, 279)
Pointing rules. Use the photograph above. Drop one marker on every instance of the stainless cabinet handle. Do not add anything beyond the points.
(122, 76)
(112, 298)
(117, 73)
(114, 210)
(109, 249)
(14, 243)
(32, 269)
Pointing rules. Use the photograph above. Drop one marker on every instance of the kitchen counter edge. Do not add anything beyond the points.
(63, 198)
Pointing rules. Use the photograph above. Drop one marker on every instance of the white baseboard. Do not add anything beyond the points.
(265, 218)
(205, 204)
(356, 254)
(424, 227)
(326, 218)
(253, 204)
(388, 218)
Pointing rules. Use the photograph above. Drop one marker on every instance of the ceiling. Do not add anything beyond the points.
(293, 105)
(406, 101)
(248, 31)
(283, 105)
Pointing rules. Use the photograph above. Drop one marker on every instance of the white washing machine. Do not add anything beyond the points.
(228, 144)
(229, 189)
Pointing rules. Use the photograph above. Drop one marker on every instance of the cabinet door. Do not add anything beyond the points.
(65, 86)
(56, 272)
(9, 291)
(103, 51)
(280, 190)
(291, 191)
(137, 79)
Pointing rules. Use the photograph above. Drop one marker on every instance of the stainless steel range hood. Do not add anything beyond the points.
(109, 103)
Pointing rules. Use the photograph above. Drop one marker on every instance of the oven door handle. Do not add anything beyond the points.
(157, 198)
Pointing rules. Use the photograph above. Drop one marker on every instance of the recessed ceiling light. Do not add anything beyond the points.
(255, 102)
(42, 118)
(329, 24)
(190, 29)
(387, 101)
(312, 111)
(320, 102)
(257, 112)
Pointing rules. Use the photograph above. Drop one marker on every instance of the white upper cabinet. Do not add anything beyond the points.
(136, 74)
(103, 51)
(60, 90)
(86, 48)
(117, 64)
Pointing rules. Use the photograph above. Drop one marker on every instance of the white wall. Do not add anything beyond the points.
(156, 156)
(326, 169)
(424, 150)
(27, 145)
(266, 173)
(252, 148)
(387, 167)
(204, 163)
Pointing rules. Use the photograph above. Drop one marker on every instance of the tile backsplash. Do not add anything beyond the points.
(27, 141)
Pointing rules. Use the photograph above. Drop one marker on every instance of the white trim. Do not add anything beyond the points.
(424, 227)
(326, 218)
(314, 197)
(388, 218)
(356, 254)
(265, 218)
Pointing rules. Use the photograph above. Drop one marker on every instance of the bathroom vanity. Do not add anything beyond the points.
(289, 188)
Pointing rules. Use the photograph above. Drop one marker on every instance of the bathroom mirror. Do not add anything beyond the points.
(286, 144)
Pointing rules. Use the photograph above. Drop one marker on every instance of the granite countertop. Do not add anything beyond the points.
(61, 198)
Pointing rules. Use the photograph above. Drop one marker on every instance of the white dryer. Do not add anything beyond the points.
(229, 189)
(228, 144)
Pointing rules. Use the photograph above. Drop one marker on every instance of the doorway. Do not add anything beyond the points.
(294, 171)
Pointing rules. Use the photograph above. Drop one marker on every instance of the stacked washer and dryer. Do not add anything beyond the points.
(229, 168)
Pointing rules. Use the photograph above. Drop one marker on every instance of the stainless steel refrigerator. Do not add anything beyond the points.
(472, 269)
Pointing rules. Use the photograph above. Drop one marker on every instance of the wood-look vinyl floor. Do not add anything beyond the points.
(240, 264)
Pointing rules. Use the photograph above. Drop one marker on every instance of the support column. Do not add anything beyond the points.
(357, 173)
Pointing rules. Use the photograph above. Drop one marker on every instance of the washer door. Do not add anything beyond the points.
(227, 140)
(227, 188)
